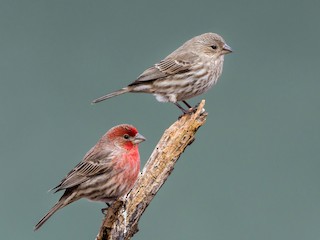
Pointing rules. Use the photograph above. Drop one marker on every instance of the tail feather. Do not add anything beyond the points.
(113, 94)
(55, 208)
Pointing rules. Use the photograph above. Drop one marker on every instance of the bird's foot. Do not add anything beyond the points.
(104, 210)
(195, 108)
(190, 109)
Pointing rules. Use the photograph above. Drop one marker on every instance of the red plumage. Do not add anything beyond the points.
(107, 172)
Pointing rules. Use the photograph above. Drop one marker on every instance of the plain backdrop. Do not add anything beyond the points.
(253, 171)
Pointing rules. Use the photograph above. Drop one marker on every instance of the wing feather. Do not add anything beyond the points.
(168, 66)
(91, 165)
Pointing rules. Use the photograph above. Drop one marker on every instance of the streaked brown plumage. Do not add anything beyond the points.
(108, 171)
(187, 72)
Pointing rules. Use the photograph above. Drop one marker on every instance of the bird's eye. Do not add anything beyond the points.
(214, 47)
(126, 136)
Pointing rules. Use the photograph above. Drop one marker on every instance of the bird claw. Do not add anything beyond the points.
(190, 109)
(195, 108)
(104, 210)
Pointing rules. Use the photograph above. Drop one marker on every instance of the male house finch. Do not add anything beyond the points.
(108, 171)
(187, 72)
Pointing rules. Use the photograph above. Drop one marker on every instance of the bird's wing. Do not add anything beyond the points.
(168, 66)
(90, 166)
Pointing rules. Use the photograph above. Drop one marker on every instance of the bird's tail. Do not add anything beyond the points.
(55, 208)
(113, 94)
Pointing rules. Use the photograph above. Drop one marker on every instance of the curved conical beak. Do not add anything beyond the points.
(226, 49)
(138, 138)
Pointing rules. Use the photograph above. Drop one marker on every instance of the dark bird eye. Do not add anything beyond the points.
(126, 136)
(214, 47)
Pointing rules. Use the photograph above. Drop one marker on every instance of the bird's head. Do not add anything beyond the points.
(211, 44)
(125, 136)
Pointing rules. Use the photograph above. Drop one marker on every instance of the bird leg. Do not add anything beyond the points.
(181, 108)
(190, 110)
(187, 104)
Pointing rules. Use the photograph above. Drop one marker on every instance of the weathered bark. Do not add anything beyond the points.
(122, 217)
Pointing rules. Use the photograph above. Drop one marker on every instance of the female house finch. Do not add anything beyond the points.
(187, 72)
(108, 171)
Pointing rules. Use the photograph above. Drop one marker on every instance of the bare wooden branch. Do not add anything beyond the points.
(122, 217)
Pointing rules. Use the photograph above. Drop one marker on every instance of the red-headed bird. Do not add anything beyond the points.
(107, 172)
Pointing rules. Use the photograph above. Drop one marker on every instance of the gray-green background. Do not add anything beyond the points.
(253, 171)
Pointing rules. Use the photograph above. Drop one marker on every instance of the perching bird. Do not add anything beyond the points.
(108, 171)
(187, 72)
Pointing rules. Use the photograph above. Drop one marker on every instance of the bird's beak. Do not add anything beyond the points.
(138, 138)
(226, 49)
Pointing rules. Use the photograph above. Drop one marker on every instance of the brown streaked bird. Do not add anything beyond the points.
(187, 72)
(107, 172)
